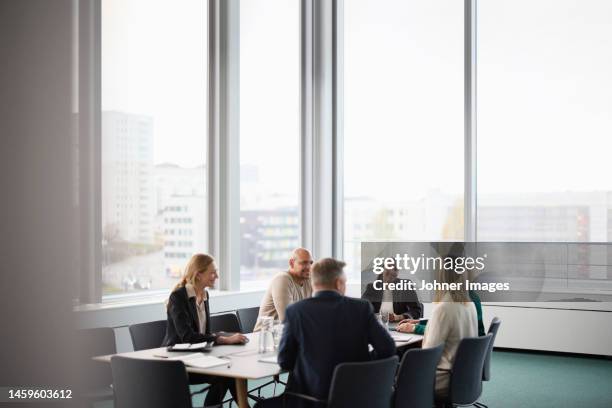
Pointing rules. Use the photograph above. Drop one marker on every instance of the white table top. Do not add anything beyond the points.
(243, 359)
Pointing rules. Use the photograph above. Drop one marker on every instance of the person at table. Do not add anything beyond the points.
(287, 287)
(189, 320)
(418, 326)
(397, 304)
(453, 318)
(328, 329)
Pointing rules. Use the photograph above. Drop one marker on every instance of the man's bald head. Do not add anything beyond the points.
(299, 264)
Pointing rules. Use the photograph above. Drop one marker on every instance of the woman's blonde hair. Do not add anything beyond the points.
(197, 263)
(458, 295)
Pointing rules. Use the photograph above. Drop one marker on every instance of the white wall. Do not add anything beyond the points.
(529, 326)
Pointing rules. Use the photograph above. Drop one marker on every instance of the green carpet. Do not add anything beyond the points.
(543, 380)
(531, 380)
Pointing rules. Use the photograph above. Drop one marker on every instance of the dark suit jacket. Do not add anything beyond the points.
(183, 320)
(405, 302)
(324, 331)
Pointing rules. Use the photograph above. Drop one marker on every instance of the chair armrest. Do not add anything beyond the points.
(303, 396)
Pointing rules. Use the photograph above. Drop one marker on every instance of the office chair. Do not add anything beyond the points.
(225, 322)
(416, 378)
(148, 335)
(150, 383)
(486, 369)
(96, 384)
(151, 335)
(493, 328)
(366, 384)
(248, 318)
(466, 374)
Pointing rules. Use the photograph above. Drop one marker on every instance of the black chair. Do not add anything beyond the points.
(415, 383)
(466, 374)
(493, 328)
(148, 335)
(247, 318)
(96, 384)
(151, 335)
(226, 322)
(357, 385)
(150, 383)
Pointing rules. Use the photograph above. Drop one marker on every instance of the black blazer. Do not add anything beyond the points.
(324, 331)
(183, 320)
(405, 302)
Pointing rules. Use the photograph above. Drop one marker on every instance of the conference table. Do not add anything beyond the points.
(243, 361)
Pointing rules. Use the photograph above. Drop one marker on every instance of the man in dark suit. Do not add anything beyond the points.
(324, 331)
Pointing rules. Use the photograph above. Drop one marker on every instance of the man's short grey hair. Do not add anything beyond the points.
(326, 271)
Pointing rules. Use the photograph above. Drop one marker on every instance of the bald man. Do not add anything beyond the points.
(287, 287)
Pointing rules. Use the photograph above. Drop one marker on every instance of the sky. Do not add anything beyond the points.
(544, 91)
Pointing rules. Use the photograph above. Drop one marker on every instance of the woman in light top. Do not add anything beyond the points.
(453, 318)
(189, 320)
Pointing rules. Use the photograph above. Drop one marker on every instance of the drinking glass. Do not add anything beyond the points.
(266, 335)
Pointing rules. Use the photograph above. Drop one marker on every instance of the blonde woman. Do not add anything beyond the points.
(189, 319)
(453, 318)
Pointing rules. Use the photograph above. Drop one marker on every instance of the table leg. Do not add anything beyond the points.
(241, 390)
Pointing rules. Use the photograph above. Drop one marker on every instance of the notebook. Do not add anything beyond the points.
(204, 346)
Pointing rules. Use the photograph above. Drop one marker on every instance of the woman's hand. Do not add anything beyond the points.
(405, 327)
(411, 321)
(232, 339)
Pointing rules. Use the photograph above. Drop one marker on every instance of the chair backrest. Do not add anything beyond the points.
(415, 384)
(150, 383)
(91, 343)
(248, 318)
(493, 328)
(366, 384)
(466, 376)
(148, 335)
(226, 322)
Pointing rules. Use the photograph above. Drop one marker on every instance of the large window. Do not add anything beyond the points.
(544, 103)
(544, 125)
(403, 123)
(269, 137)
(153, 141)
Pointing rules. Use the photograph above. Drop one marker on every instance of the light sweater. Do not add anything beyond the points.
(450, 322)
(282, 292)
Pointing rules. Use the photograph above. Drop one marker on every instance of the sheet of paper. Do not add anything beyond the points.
(206, 362)
(270, 359)
(397, 336)
(181, 346)
(183, 357)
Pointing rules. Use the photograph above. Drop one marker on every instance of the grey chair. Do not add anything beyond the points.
(493, 328)
(148, 335)
(247, 318)
(150, 383)
(466, 374)
(151, 335)
(416, 378)
(95, 386)
(225, 322)
(486, 369)
(366, 384)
